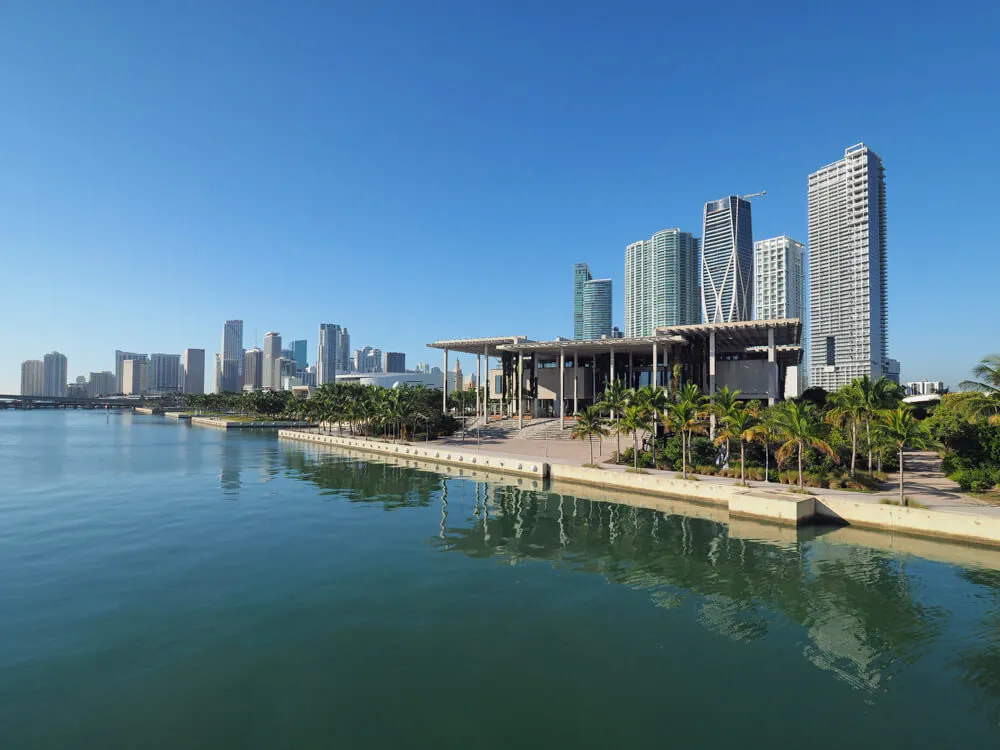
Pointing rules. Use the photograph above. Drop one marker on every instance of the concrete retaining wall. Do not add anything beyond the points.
(471, 459)
(966, 526)
(226, 424)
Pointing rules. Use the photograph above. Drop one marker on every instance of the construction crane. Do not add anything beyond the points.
(753, 195)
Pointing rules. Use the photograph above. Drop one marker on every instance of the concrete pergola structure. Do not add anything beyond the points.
(751, 354)
(483, 349)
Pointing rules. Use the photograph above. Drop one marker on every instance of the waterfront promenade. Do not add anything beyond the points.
(944, 513)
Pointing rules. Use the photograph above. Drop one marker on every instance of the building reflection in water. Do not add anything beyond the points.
(231, 463)
(858, 607)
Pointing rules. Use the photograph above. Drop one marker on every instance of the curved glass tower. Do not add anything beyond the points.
(727, 261)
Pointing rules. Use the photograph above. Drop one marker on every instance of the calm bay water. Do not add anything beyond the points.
(163, 586)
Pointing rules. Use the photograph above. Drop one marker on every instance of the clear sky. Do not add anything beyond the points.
(422, 170)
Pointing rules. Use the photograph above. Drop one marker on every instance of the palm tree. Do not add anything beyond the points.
(739, 425)
(632, 422)
(686, 416)
(847, 408)
(799, 428)
(590, 424)
(615, 399)
(987, 388)
(723, 404)
(899, 428)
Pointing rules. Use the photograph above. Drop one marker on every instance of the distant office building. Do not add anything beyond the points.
(253, 369)
(194, 371)
(54, 369)
(727, 261)
(367, 360)
(135, 374)
(892, 370)
(393, 362)
(328, 353)
(164, 373)
(597, 308)
(120, 358)
(300, 353)
(33, 378)
(581, 275)
(230, 363)
(344, 350)
(661, 282)
(848, 277)
(272, 356)
(924, 387)
(102, 383)
(616, 333)
(459, 380)
(308, 376)
(78, 389)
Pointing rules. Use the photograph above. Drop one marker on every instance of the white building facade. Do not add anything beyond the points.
(33, 378)
(848, 275)
(271, 374)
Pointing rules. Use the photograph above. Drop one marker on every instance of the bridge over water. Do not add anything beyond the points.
(10, 401)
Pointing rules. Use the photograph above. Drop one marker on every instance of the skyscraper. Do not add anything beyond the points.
(253, 370)
(231, 360)
(120, 358)
(164, 371)
(597, 308)
(328, 353)
(367, 359)
(344, 350)
(33, 378)
(661, 282)
(272, 357)
(393, 362)
(134, 376)
(194, 371)
(779, 275)
(727, 261)
(848, 283)
(581, 275)
(101, 384)
(300, 353)
(54, 368)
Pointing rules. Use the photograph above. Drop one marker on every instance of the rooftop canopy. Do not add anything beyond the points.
(489, 345)
(743, 334)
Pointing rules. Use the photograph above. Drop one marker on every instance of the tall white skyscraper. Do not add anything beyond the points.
(54, 369)
(328, 353)
(272, 361)
(33, 378)
(368, 359)
(134, 376)
(194, 371)
(253, 370)
(779, 278)
(727, 261)
(101, 384)
(661, 282)
(848, 284)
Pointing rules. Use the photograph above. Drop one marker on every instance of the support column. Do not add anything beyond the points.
(484, 383)
(444, 385)
(612, 365)
(655, 383)
(479, 377)
(562, 389)
(631, 372)
(520, 395)
(711, 378)
(576, 377)
(772, 367)
(593, 374)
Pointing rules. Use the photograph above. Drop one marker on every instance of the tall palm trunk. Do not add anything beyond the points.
(868, 427)
(854, 445)
(635, 450)
(684, 455)
(591, 441)
(802, 485)
(743, 462)
(902, 496)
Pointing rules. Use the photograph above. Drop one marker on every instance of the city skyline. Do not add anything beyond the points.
(523, 133)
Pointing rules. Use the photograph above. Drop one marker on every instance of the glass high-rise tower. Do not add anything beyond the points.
(597, 308)
(661, 282)
(727, 261)
(581, 275)
(848, 280)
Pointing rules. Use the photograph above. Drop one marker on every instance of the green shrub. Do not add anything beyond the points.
(628, 456)
(707, 469)
(976, 480)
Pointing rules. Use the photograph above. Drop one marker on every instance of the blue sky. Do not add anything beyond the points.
(423, 170)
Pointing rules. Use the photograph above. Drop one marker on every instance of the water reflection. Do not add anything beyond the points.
(861, 613)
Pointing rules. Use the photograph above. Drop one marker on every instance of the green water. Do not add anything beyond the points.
(163, 586)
